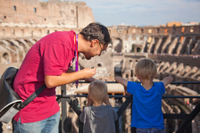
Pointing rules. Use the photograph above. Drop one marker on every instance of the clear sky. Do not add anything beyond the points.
(144, 12)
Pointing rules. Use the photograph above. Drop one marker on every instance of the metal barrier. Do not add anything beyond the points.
(186, 125)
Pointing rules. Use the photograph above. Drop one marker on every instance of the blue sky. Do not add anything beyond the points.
(144, 12)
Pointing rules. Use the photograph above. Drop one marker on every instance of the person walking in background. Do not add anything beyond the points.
(48, 62)
(147, 116)
(98, 118)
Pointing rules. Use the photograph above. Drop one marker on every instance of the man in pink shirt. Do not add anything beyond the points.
(48, 62)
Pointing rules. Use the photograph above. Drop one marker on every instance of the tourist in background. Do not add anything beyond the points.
(147, 113)
(48, 62)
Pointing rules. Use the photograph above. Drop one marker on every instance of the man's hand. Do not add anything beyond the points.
(88, 73)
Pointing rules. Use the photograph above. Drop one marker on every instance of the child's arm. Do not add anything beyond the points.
(122, 81)
(167, 80)
(106, 100)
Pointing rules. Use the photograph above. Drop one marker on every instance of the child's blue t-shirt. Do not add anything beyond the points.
(146, 105)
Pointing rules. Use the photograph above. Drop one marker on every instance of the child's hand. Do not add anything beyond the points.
(128, 93)
(106, 100)
(125, 90)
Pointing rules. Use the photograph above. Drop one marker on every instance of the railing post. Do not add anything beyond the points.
(189, 119)
(189, 128)
(64, 110)
(1, 127)
(117, 125)
(80, 127)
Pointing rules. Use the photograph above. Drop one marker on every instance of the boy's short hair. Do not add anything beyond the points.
(97, 90)
(96, 31)
(146, 69)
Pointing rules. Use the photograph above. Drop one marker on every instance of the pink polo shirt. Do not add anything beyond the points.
(51, 55)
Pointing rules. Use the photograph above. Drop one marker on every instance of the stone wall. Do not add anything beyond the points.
(54, 13)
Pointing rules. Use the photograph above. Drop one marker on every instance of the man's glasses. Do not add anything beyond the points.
(102, 51)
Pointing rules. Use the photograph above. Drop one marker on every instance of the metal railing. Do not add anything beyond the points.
(186, 125)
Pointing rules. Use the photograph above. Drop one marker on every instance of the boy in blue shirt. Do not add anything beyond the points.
(147, 116)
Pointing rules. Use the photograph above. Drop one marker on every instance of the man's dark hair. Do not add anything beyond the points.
(96, 31)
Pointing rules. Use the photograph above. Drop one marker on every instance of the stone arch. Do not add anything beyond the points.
(154, 45)
(157, 45)
(28, 42)
(161, 44)
(147, 44)
(171, 45)
(194, 44)
(183, 49)
(5, 56)
(176, 45)
(138, 49)
(35, 40)
(118, 69)
(165, 47)
(117, 44)
(25, 44)
(144, 48)
(15, 47)
(188, 47)
(196, 49)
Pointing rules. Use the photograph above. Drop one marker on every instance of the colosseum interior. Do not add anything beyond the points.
(174, 48)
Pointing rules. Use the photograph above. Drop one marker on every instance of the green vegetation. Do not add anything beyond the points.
(133, 45)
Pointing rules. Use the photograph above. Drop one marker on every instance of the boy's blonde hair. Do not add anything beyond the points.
(97, 90)
(146, 69)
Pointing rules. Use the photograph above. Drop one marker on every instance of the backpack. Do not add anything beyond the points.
(11, 103)
(9, 99)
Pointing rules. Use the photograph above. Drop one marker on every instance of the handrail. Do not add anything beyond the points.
(128, 96)
(174, 82)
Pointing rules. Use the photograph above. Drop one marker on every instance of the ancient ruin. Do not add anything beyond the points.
(175, 48)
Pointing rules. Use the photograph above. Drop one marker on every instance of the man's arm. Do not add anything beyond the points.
(167, 80)
(70, 76)
(70, 70)
(86, 79)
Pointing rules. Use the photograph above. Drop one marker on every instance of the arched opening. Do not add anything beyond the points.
(138, 50)
(154, 45)
(6, 56)
(117, 45)
(185, 46)
(161, 44)
(117, 70)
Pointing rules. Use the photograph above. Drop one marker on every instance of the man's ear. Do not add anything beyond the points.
(94, 43)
